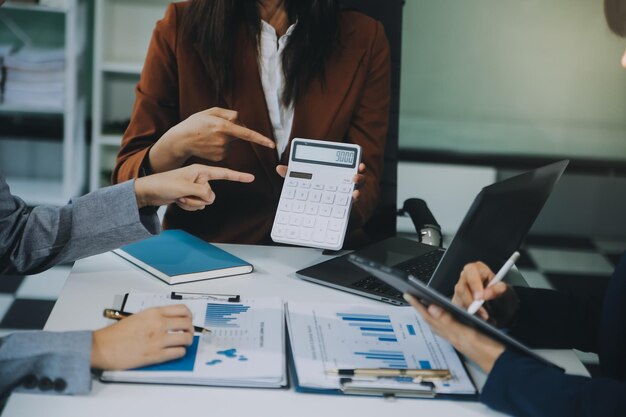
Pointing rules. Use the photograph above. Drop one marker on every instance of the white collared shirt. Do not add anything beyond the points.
(273, 79)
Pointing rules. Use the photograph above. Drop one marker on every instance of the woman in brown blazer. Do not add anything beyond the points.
(229, 83)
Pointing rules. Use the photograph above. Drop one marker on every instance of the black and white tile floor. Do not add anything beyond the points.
(555, 262)
(26, 301)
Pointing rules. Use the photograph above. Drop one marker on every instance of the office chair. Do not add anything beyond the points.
(382, 224)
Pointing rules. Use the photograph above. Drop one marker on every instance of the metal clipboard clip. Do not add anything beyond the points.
(371, 388)
(231, 298)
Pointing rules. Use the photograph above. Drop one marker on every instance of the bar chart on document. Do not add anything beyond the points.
(377, 331)
(328, 337)
(231, 324)
(233, 331)
(245, 346)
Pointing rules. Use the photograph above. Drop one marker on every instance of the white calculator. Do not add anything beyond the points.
(315, 203)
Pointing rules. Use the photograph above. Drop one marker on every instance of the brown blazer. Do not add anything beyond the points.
(351, 105)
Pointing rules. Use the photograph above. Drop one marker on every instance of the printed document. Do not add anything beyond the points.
(246, 346)
(326, 337)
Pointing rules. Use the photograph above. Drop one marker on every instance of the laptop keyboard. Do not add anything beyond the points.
(421, 267)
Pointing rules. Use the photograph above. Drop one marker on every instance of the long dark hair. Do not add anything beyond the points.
(615, 12)
(214, 24)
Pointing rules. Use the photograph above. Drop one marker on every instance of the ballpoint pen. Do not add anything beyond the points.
(477, 304)
(424, 374)
(113, 314)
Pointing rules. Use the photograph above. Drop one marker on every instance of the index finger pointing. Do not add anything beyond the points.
(249, 135)
(216, 173)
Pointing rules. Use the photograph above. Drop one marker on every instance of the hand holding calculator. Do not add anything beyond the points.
(316, 199)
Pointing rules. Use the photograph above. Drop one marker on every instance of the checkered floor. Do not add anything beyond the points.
(582, 265)
(26, 301)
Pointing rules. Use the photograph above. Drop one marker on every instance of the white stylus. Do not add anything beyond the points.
(477, 304)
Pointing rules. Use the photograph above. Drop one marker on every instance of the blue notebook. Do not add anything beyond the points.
(176, 256)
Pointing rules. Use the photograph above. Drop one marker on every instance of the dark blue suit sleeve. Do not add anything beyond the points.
(555, 320)
(521, 386)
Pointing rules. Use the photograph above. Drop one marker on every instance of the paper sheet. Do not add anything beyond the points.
(246, 346)
(328, 337)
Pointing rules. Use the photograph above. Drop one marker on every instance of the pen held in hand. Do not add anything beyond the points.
(113, 314)
(477, 304)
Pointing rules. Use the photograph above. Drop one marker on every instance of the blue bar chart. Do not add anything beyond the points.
(223, 315)
(327, 337)
(371, 325)
(379, 328)
(384, 358)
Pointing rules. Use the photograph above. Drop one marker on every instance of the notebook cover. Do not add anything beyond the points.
(176, 256)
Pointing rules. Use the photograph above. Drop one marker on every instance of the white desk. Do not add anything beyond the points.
(95, 281)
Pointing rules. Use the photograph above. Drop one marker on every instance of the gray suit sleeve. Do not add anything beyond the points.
(46, 362)
(32, 241)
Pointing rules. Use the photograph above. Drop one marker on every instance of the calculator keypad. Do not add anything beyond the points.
(313, 213)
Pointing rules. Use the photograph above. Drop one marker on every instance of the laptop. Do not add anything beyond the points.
(493, 228)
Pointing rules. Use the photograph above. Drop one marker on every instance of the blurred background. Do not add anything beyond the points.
(488, 88)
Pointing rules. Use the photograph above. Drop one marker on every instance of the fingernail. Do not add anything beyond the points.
(434, 311)
(478, 295)
(407, 297)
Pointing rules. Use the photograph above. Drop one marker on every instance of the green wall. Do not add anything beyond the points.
(530, 77)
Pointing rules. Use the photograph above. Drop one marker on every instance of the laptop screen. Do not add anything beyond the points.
(496, 223)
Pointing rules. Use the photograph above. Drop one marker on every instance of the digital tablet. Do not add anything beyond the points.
(406, 283)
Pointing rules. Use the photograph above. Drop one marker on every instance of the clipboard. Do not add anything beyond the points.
(231, 298)
(383, 387)
(404, 282)
(246, 347)
(178, 295)
(426, 391)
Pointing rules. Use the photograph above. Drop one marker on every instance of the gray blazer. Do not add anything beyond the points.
(37, 239)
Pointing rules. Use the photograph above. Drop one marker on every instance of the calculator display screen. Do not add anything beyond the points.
(325, 154)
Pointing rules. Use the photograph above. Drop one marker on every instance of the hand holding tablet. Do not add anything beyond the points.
(406, 283)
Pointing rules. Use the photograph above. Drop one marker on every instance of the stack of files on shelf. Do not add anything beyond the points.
(326, 337)
(246, 346)
(35, 77)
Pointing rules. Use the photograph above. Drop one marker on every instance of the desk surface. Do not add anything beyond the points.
(93, 285)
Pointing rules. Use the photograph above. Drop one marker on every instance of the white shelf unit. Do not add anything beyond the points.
(123, 29)
(70, 162)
